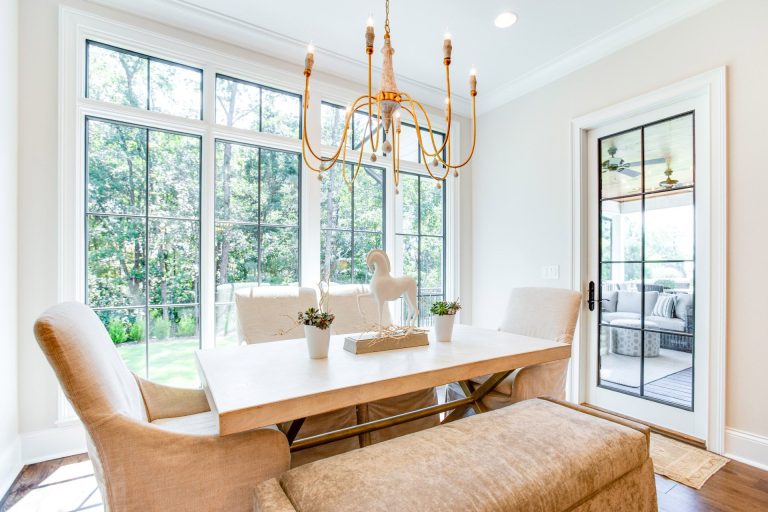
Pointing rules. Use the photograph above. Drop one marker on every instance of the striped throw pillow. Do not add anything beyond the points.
(665, 306)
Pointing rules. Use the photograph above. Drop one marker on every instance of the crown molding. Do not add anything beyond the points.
(205, 21)
(635, 29)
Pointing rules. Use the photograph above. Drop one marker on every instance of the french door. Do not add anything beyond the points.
(644, 294)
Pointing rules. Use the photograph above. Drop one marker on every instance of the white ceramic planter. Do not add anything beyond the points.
(317, 341)
(443, 327)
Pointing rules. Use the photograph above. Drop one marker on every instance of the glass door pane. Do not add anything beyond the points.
(647, 261)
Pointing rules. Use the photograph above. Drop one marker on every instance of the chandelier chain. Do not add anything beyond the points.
(386, 22)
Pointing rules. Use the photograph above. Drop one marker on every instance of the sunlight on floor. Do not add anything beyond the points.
(70, 488)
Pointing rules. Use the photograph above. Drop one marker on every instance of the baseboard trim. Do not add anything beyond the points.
(746, 447)
(10, 466)
(52, 443)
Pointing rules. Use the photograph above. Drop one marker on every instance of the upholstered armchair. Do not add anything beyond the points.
(265, 314)
(153, 447)
(349, 319)
(548, 313)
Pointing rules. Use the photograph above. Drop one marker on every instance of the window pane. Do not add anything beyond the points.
(279, 187)
(174, 174)
(618, 369)
(408, 249)
(280, 113)
(674, 277)
(431, 266)
(409, 143)
(615, 277)
(175, 90)
(365, 243)
(173, 261)
(237, 182)
(237, 254)
(280, 256)
(332, 122)
(237, 104)
(369, 199)
(117, 77)
(669, 228)
(335, 200)
(336, 255)
(669, 145)
(407, 205)
(621, 165)
(626, 229)
(226, 325)
(431, 208)
(116, 168)
(174, 337)
(127, 329)
(115, 261)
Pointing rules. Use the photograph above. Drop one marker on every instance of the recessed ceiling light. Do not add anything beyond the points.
(505, 19)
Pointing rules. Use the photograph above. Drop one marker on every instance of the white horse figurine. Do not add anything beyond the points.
(384, 287)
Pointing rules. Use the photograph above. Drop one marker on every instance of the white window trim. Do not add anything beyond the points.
(75, 27)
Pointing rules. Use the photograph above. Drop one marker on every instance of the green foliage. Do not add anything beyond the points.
(316, 318)
(116, 330)
(161, 328)
(443, 308)
(187, 326)
(136, 331)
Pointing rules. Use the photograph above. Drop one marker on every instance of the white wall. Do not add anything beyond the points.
(522, 182)
(9, 428)
(38, 199)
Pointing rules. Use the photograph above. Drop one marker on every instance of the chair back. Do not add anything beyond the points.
(343, 303)
(547, 313)
(87, 364)
(264, 313)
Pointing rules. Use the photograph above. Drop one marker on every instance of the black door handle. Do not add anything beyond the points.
(591, 297)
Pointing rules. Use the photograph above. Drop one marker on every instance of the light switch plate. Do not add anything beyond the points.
(550, 272)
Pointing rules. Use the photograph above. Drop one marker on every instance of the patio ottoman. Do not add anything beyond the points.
(626, 342)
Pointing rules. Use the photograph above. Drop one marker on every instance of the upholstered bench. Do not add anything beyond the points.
(536, 455)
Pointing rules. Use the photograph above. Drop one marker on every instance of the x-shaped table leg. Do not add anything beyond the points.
(476, 394)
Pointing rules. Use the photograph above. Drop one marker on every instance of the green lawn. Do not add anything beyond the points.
(171, 361)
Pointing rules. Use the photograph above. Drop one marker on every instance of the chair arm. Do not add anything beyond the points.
(169, 402)
(148, 468)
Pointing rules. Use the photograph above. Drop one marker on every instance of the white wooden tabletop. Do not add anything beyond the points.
(263, 384)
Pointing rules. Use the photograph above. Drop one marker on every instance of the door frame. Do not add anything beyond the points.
(711, 88)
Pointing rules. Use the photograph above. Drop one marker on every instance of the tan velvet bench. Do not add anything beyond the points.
(537, 455)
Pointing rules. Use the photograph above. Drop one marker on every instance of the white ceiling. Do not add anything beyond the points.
(550, 39)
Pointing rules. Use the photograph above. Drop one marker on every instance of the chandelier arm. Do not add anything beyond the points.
(474, 140)
(413, 112)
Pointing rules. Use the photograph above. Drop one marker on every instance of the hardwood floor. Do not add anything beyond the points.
(68, 484)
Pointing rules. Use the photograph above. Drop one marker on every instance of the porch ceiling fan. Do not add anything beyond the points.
(618, 165)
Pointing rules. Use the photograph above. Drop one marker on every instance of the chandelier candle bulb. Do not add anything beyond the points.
(369, 36)
(473, 79)
(309, 61)
(447, 48)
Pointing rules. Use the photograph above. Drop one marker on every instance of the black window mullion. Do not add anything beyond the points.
(642, 264)
(149, 86)
(259, 230)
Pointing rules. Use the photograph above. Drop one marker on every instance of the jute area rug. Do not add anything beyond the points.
(683, 463)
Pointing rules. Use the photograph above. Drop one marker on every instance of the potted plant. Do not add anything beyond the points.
(317, 330)
(444, 316)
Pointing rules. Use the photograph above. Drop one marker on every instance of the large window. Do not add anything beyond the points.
(420, 238)
(143, 240)
(257, 225)
(351, 221)
(191, 188)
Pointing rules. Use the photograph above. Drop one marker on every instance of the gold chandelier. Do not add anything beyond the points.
(389, 104)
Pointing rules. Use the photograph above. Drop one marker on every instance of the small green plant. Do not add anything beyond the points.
(187, 326)
(116, 330)
(316, 318)
(443, 308)
(136, 331)
(161, 328)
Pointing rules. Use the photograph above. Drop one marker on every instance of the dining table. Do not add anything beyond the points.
(276, 382)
